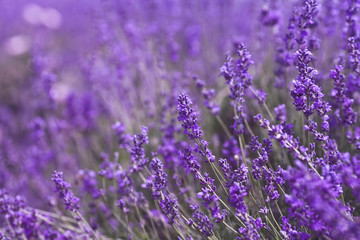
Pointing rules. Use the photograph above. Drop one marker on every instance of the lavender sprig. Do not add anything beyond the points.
(63, 189)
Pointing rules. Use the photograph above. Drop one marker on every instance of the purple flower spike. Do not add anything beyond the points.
(188, 117)
(138, 157)
(169, 206)
(306, 94)
(63, 189)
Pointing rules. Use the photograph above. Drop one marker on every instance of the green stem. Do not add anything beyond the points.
(223, 126)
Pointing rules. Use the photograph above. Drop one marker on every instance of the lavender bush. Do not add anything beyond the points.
(179, 119)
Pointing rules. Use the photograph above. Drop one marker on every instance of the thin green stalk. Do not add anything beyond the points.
(142, 227)
(242, 149)
(125, 225)
(223, 126)
(248, 127)
(274, 228)
(87, 225)
(222, 185)
(273, 217)
(253, 198)
(179, 232)
(278, 208)
(229, 227)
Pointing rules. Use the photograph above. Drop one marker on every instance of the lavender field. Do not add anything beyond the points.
(180, 119)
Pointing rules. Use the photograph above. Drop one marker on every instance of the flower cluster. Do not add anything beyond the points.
(159, 180)
(306, 94)
(238, 78)
(137, 151)
(349, 116)
(63, 189)
(314, 198)
(188, 117)
(208, 95)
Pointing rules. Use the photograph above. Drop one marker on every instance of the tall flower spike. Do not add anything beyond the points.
(306, 94)
(348, 116)
(236, 72)
(210, 201)
(63, 189)
(189, 160)
(354, 62)
(138, 157)
(190, 125)
(350, 29)
(306, 21)
(280, 112)
(203, 223)
(123, 138)
(208, 95)
(237, 192)
(169, 206)
(159, 177)
(207, 194)
(238, 78)
(284, 56)
(188, 117)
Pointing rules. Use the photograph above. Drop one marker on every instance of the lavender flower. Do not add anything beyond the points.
(251, 231)
(203, 223)
(190, 161)
(284, 56)
(63, 189)
(290, 232)
(189, 122)
(350, 29)
(354, 62)
(269, 15)
(280, 112)
(124, 139)
(273, 179)
(325, 214)
(159, 180)
(306, 20)
(208, 95)
(282, 133)
(306, 94)
(237, 192)
(232, 151)
(138, 157)
(210, 201)
(188, 117)
(24, 222)
(348, 116)
(234, 175)
(169, 207)
(237, 77)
